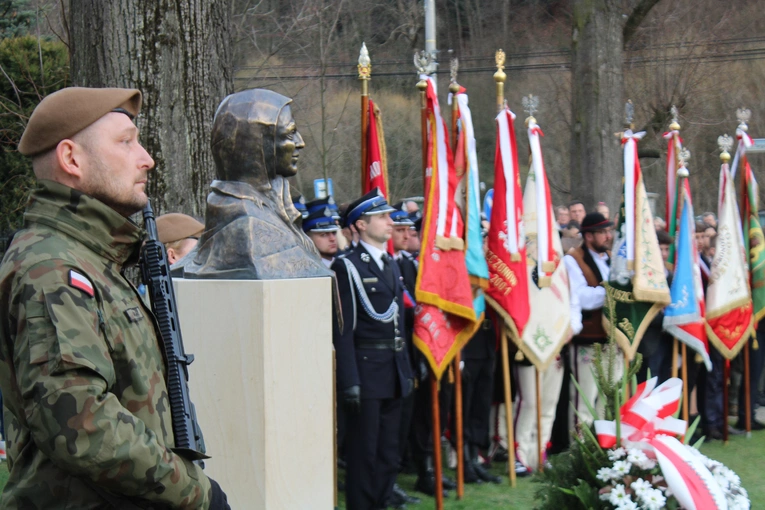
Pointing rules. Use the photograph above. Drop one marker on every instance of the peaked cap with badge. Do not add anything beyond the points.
(321, 220)
(370, 204)
(323, 203)
(400, 217)
(79, 346)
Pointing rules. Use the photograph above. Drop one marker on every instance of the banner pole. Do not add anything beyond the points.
(508, 407)
(540, 450)
(365, 74)
(686, 404)
(726, 382)
(437, 464)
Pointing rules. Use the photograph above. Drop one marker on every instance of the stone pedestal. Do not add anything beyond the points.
(262, 387)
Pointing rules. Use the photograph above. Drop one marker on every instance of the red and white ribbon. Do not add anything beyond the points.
(546, 255)
(647, 424)
(515, 234)
(631, 176)
(673, 146)
(744, 142)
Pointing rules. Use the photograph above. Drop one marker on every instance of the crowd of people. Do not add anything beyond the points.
(82, 373)
(384, 402)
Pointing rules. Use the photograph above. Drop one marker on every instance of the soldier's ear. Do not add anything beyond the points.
(71, 157)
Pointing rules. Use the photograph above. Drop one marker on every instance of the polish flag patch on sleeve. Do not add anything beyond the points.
(80, 281)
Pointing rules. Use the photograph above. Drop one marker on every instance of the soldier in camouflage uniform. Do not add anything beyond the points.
(82, 372)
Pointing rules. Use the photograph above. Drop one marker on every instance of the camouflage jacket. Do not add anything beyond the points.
(81, 370)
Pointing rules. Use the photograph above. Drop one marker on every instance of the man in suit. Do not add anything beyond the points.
(373, 368)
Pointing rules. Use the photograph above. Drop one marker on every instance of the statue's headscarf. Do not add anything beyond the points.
(244, 135)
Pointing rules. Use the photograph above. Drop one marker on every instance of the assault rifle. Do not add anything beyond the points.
(156, 275)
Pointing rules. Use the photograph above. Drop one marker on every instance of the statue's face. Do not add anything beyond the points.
(288, 144)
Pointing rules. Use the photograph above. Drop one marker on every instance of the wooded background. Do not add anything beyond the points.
(583, 58)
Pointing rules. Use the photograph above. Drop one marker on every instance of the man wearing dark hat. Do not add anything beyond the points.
(87, 419)
(588, 266)
(179, 233)
(320, 204)
(322, 228)
(373, 370)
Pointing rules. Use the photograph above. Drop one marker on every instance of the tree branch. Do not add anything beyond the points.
(636, 18)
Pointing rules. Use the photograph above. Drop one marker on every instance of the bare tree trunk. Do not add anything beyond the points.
(597, 102)
(178, 54)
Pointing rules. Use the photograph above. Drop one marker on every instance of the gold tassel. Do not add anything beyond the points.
(515, 257)
(451, 374)
(698, 358)
(755, 346)
(519, 356)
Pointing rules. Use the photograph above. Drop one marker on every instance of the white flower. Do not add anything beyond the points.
(621, 468)
(653, 499)
(640, 459)
(740, 502)
(616, 454)
(640, 486)
(618, 495)
(605, 474)
(627, 505)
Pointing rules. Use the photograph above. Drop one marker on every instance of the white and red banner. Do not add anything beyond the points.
(549, 324)
(508, 291)
(444, 316)
(547, 256)
(729, 301)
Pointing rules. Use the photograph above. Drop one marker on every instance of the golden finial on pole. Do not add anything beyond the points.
(365, 74)
(499, 78)
(725, 143)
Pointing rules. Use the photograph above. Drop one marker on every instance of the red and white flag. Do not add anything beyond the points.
(508, 291)
(444, 316)
(729, 301)
(376, 175)
(376, 169)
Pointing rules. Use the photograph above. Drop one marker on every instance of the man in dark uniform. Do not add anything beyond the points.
(373, 369)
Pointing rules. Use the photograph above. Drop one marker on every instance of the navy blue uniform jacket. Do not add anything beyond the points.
(381, 373)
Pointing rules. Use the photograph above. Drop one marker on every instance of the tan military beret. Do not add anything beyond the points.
(68, 111)
(176, 226)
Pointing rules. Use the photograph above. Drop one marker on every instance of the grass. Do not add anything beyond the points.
(742, 455)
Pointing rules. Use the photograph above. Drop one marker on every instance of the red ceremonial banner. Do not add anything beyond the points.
(508, 290)
(444, 316)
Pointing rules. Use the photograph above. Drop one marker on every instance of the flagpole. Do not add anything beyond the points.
(454, 88)
(743, 116)
(745, 224)
(540, 452)
(365, 74)
(682, 175)
(423, 61)
(725, 158)
(672, 221)
(499, 79)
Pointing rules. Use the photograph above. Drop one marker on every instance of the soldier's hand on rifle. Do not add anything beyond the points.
(352, 398)
(219, 500)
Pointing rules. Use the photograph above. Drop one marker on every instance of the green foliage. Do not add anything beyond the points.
(16, 18)
(31, 70)
(570, 480)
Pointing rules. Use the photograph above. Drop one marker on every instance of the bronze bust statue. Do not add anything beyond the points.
(251, 230)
